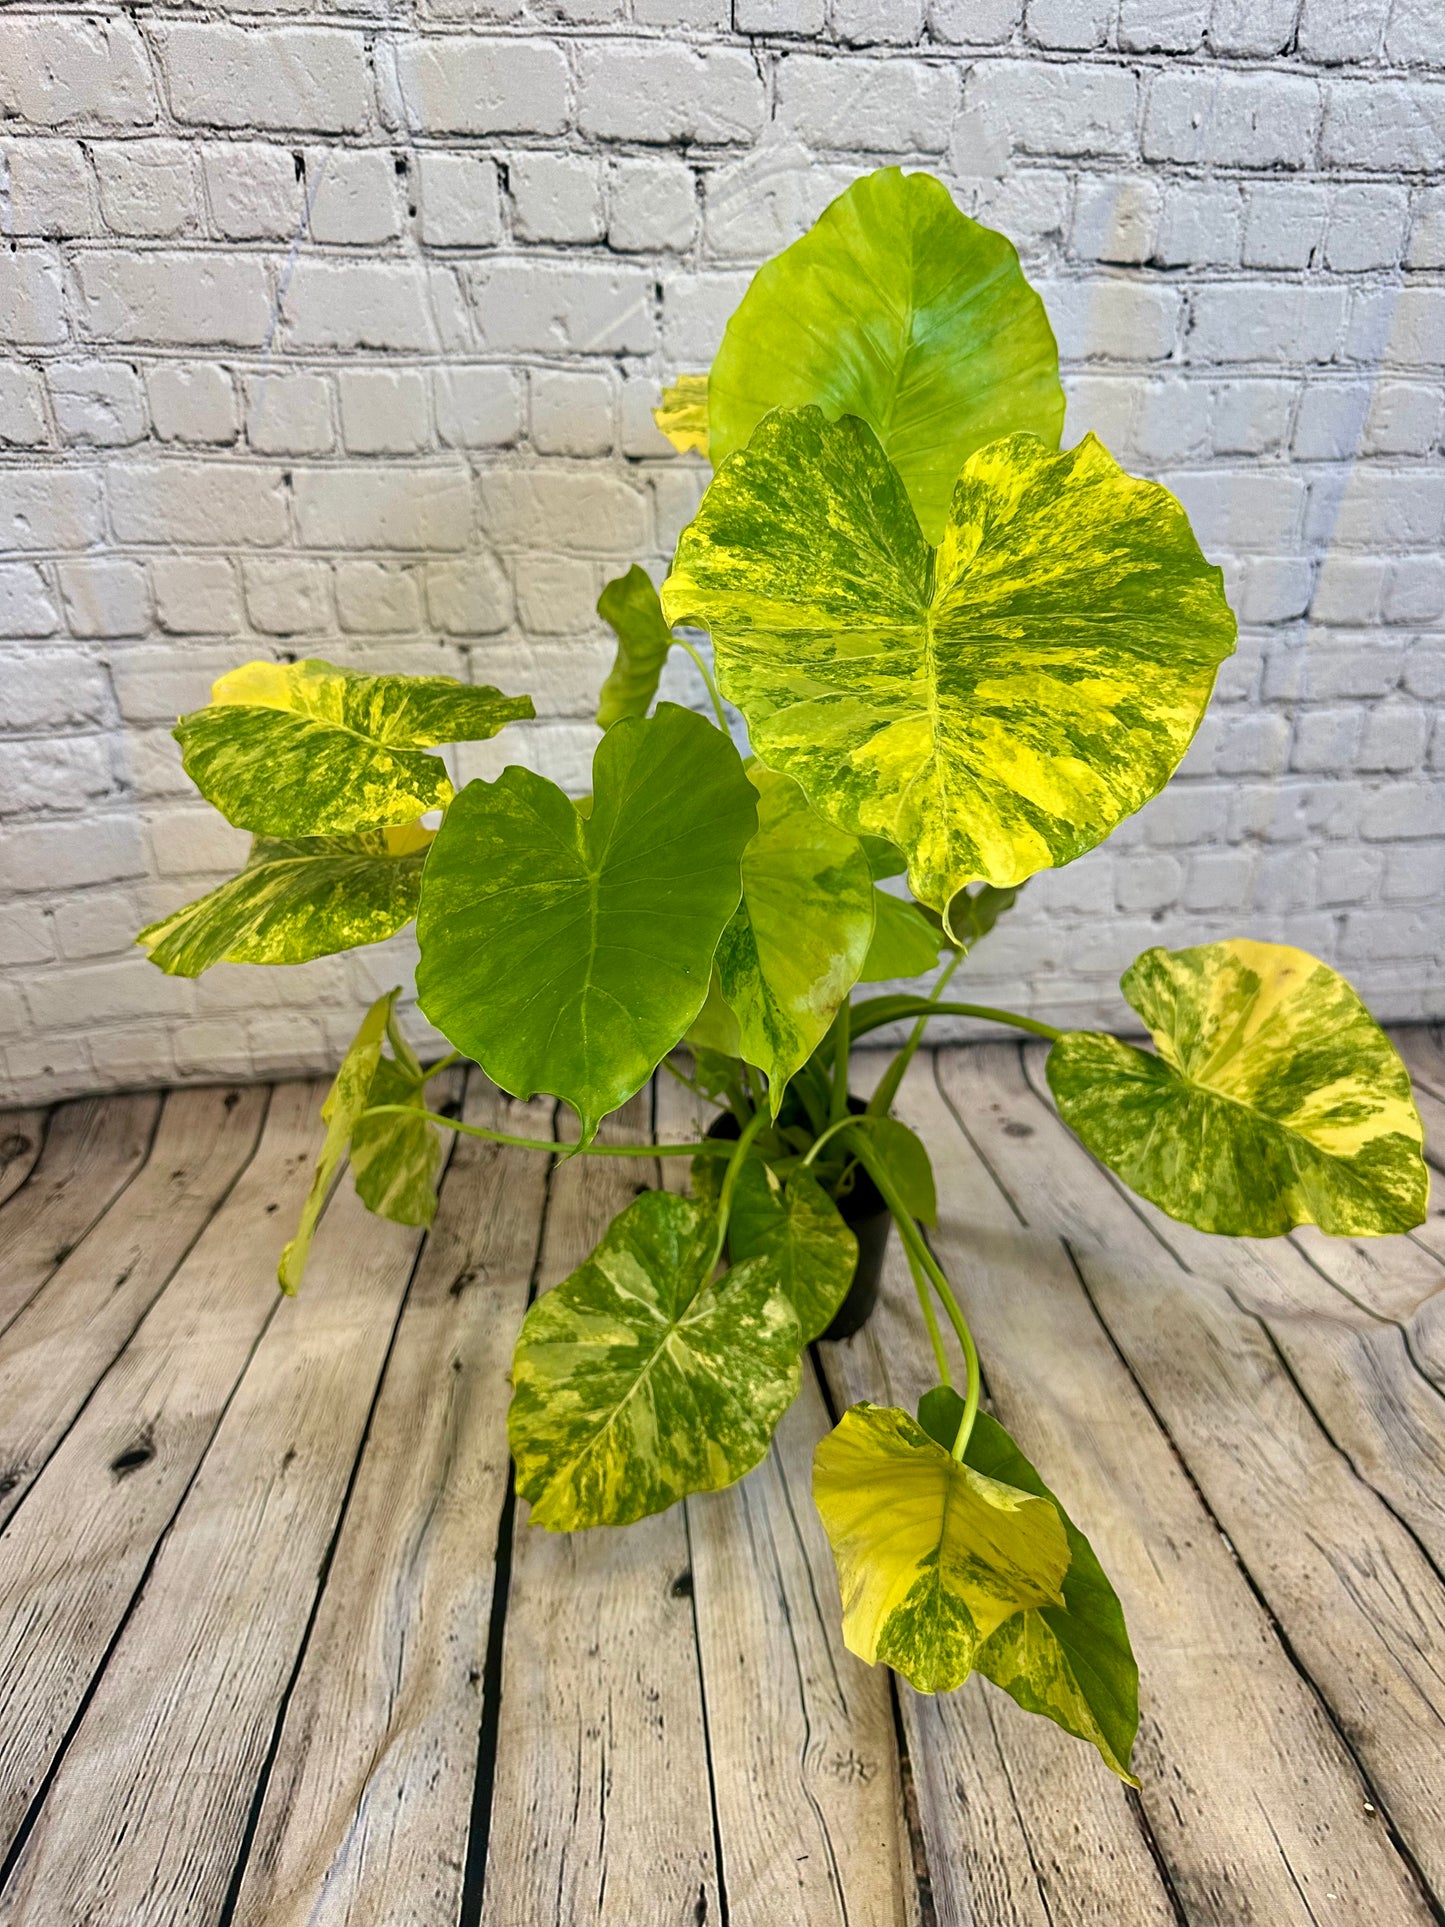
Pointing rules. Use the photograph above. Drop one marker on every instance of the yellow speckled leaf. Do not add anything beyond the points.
(992, 707)
(1275, 1099)
(933, 1557)
(636, 1380)
(306, 749)
(297, 898)
(396, 1159)
(798, 939)
(341, 1107)
(682, 416)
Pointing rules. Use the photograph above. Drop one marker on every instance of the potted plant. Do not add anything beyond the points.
(961, 655)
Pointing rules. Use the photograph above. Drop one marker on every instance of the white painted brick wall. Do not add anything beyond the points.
(332, 326)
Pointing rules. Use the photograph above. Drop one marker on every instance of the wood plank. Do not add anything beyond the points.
(601, 1808)
(73, 1555)
(22, 1134)
(1023, 1826)
(93, 1149)
(54, 1352)
(368, 1804)
(148, 1809)
(804, 1758)
(1360, 1605)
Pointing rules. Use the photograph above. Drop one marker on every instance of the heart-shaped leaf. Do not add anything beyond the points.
(793, 950)
(568, 953)
(306, 749)
(297, 898)
(901, 1153)
(933, 1557)
(396, 1160)
(630, 608)
(682, 416)
(905, 943)
(340, 1108)
(799, 1230)
(637, 1381)
(991, 707)
(1275, 1099)
(1073, 1664)
(897, 308)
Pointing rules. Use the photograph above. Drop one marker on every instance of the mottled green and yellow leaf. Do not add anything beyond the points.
(800, 1232)
(682, 415)
(396, 1159)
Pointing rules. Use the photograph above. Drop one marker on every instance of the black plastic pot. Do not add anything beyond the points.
(864, 1212)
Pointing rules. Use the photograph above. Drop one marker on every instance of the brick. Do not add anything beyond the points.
(663, 94)
(203, 504)
(57, 69)
(1394, 738)
(32, 301)
(1117, 320)
(49, 188)
(801, 17)
(571, 414)
(464, 85)
(313, 79)
(288, 596)
(1383, 510)
(192, 402)
(975, 23)
(1331, 420)
(1162, 26)
(1116, 219)
(541, 306)
(1201, 225)
(530, 508)
(1404, 419)
(1426, 247)
(123, 988)
(22, 406)
(556, 197)
(98, 923)
(1413, 34)
(27, 606)
(99, 404)
(651, 205)
(1416, 871)
(1173, 420)
(884, 107)
(25, 936)
(362, 304)
(1266, 321)
(1367, 228)
(1350, 590)
(1416, 337)
(1395, 126)
(1284, 225)
(253, 191)
(384, 411)
(1250, 417)
(377, 598)
(104, 596)
(353, 197)
(477, 407)
(1415, 592)
(755, 207)
(67, 856)
(468, 598)
(182, 300)
(1078, 25)
(696, 308)
(145, 187)
(43, 507)
(1341, 30)
(1239, 120)
(1252, 26)
(289, 414)
(1251, 509)
(1404, 810)
(376, 508)
(459, 201)
(556, 595)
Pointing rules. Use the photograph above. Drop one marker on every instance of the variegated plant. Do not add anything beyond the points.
(958, 653)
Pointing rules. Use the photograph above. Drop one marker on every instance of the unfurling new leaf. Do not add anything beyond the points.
(630, 608)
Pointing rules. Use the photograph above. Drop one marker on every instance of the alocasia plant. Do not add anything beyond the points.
(959, 654)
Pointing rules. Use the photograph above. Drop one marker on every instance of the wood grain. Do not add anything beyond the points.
(93, 1148)
(601, 1805)
(54, 1351)
(22, 1135)
(367, 1807)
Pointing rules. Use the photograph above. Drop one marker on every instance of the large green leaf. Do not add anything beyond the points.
(395, 1159)
(1275, 1098)
(306, 749)
(682, 416)
(297, 898)
(905, 943)
(630, 608)
(340, 1108)
(897, 308)
(799, 1230)
(637, 1381)
(569, 953)
(1073, 1664)
(798, 939)
(991, 707)
(933, 1557)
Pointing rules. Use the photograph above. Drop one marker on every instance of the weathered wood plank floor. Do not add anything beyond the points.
(276, 1647)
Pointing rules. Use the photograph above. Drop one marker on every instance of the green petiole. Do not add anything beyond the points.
(706, 1147)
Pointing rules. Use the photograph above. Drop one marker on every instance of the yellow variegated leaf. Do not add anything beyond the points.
(341, 1107)
(297, 898)
(682, 416)
(991, 707)
(395, 1158)
(306, 749)
(799, 1230)
(933, 1557)
(1275, 1098)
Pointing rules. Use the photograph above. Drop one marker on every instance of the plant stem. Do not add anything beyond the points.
(405, 1055)
(891, 1081)
(442, 1064)
(922, 1007)
(682, 1078)
(712, 690)
(838, 1104)
(930, 1317)
(730, 1182)
(707, 1147)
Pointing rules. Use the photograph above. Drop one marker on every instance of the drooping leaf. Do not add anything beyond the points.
(297, 898)
(933, 1557)
(340, 1108)
(682, 416)
(1275, 1098)
(637, 1381)
(1073, 1664)
(306, 749)
(901, 1153)
(630, 608)
(897, 308)
(799, 1230)
(794, 947)
(568, 954)
(991, 707)
(905, 943)
(396, 1160)
(973, 913)
(714, 1031)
